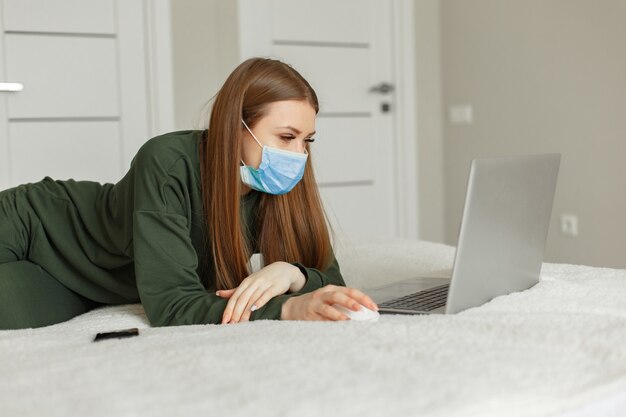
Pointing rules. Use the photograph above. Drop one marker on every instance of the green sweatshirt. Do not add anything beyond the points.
(141, 239)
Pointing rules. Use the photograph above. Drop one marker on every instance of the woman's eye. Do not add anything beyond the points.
(288, 138)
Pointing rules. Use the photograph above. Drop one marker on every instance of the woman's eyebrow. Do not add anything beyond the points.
(294, 130)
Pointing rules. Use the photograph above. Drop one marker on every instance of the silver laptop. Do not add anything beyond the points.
(505, 223)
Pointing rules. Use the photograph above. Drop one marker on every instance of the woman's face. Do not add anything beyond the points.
(287, 125)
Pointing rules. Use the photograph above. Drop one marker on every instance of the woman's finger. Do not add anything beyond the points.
(242, 303)
(342, 299)
(256, 301)
(232, 302)
(359, 297)
(228, 311)
(331, 313)
(263, 298)
(225, 293)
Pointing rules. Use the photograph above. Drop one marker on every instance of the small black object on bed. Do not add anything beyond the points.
(117, 334)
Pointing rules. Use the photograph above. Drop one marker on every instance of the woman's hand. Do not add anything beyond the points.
(317, 305)
(258, 288)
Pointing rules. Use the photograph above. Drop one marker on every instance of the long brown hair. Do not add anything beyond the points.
(291, 227)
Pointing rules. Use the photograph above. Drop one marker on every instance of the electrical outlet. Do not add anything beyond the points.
(569, 225)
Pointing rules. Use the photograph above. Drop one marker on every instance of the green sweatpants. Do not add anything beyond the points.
(29, 295)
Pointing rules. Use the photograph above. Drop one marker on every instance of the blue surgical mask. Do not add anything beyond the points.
(278, 172)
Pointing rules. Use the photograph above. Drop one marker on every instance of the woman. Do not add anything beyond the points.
(178, 230)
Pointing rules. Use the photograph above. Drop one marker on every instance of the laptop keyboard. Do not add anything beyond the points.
(426, 300)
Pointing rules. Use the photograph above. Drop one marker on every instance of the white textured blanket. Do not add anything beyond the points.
(558, 348)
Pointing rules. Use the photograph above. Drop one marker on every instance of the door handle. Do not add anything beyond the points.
(11, 87)
(382, 88)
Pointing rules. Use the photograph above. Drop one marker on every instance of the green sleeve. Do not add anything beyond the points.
(166, 261)
(165, 270)
(317, 279)
(169, 287)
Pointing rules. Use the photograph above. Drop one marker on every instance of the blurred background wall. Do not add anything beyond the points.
(204, 52)
(518, 76)
(543, 76)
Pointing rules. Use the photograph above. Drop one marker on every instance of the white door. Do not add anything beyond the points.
(344, 49)
(83, 109)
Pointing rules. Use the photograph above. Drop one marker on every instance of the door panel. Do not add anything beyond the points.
(63, 76)
(85, 107)
(300, 21)
(62, 150)
(357, 212)
(341, 76)
(342, 150)
(65, 16)
(343, 48)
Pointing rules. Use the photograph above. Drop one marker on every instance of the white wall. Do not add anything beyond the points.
(204, 52)
(429, 158)
(543, 76)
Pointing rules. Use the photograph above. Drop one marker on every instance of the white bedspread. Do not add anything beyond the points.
(558, 348)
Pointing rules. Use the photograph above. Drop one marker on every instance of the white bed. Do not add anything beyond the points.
(557, 349)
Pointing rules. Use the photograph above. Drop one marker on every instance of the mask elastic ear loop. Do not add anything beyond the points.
(257, 141)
